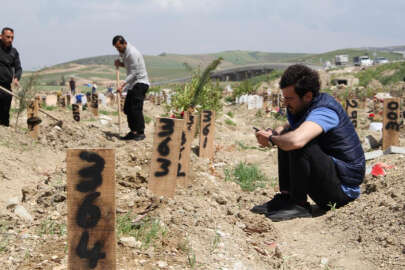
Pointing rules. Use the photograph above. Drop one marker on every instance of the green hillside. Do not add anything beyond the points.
(330, 56)
(160, 68)
(168, 66)
(387, 74)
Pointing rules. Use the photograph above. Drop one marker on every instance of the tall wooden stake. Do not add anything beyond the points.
(119, 101)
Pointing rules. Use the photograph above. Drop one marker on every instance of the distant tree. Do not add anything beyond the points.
(163, 54)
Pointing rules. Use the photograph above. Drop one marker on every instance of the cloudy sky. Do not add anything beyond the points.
(48, 32)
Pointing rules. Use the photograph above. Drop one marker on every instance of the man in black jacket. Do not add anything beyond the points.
(10, 72)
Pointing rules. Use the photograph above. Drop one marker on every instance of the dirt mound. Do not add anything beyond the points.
(376, 221)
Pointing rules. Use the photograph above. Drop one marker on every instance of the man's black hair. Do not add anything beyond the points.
(303, 78)
(119, 39)
(7, 29)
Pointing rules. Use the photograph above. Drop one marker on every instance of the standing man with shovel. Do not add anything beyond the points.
(10, 72)
(136, 83)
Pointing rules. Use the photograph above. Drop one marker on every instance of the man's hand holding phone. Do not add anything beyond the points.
(263, 136)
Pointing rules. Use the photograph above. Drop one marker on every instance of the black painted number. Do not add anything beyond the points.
(164, 166)
(93, 172)
(92, 255)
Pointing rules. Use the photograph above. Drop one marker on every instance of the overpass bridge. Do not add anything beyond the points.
(239, 73)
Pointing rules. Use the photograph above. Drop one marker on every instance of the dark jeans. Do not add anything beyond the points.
(5, 104)
(309, 171)
(133, 107)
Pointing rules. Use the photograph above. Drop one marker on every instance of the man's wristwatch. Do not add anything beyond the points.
(270, 140)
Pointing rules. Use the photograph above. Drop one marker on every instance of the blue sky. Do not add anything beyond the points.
(48, 32)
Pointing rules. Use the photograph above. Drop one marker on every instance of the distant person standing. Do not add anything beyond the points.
(136, 84)
(94, 88)
(72, 85)
(10, 72)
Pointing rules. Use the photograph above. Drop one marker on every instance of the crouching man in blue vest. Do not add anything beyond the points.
(319, 151)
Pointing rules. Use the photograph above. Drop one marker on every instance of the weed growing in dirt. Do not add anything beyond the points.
(279, 116)
(230, 114)
(3, 245)
(248, 176)
(191, 260)
(147, 230)
(230, 122)
(51, 227)
(147, 118)
(259, 113)
(49, 108)
(242, 146)
(332, 206)
(229, 99)
(91, 119)
(104, 112)
(215, 242)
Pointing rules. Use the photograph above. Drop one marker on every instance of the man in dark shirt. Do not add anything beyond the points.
(72, 85)
(319, 151)
(10, 72)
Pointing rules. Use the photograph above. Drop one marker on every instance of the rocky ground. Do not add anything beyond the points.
(207, 225)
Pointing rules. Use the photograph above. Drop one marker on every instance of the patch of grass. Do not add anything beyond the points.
(147, 230)
(229, 99)
(279, 116)
(215, 242)
(49, 108)
(13, 110)
(3, 246)
(104, 112)
(91, 119)
(230, 122)
(332, 206)
(230, 114)
(3, 242)
(147, 118)
(243, 146)
(247, 175)
(259, 113)
(52, 228)
(191, 259)
(387, 74)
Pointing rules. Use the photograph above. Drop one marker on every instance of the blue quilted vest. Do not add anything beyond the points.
(341, 143)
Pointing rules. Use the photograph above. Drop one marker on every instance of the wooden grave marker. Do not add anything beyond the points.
(38, 100)
(165, 156)
(274, 101)
(76, 112)
(33, 120)
(187, 136)
(43, 101)
(62, 100)
(352, 107)
(207, 131)
(94, 104)
(68, 100)
(91, 209)
(391, 122)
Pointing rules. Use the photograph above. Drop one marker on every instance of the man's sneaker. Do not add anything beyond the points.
(293, 210)
(279, 201)
(139, 137)
(129, 136)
